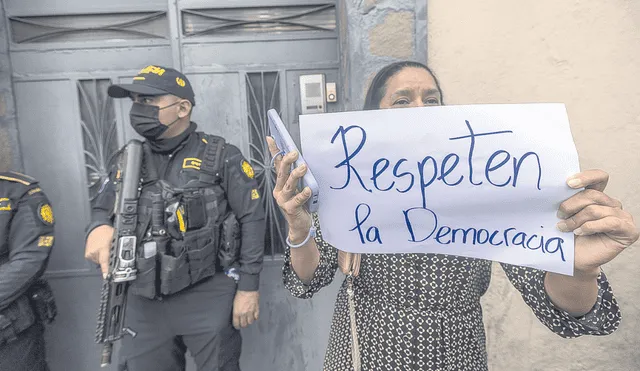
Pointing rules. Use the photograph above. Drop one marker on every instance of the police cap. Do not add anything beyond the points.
(156, 80)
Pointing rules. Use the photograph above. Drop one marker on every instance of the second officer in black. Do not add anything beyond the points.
(193, 290)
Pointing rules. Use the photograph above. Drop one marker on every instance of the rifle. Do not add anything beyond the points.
(122, 258)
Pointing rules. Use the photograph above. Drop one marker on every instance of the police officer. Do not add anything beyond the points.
(26, 240)
(182, 298)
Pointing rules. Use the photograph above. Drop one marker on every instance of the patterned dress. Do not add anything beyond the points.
(422, 311)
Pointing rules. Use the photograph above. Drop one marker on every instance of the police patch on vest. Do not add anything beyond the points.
(255, 194)
(46, 214)
(191, 163)
(247, 169)
(5, 204)
(45, 241)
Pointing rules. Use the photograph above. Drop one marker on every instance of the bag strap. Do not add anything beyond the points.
(355, 345)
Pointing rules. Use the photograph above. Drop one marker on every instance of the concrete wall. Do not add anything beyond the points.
(585, 53)
(9, 154)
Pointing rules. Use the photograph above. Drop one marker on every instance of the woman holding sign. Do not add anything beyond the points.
(422, 311)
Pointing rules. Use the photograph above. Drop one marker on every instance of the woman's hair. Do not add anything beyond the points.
(378, 87)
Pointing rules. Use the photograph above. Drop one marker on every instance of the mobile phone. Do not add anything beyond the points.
(286, 144)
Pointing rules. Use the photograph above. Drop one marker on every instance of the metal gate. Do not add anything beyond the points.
(242, 57)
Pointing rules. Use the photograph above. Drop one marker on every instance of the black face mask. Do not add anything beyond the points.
(146, 122)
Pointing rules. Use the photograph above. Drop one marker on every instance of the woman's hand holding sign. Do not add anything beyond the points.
(603, 230)
(285, 193)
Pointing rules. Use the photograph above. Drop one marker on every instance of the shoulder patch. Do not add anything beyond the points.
(255, 194)
(45, 213)
(247, 169)
(12, 176)
(5, 204)
(45, 241)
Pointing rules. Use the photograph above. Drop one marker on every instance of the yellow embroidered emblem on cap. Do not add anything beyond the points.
(191, 163)
(180, 82)
(247, 169)
(45, 241)
(255, 194)
(46, 214)
(152, 69)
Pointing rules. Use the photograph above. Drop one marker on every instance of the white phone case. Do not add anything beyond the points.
(286, 144)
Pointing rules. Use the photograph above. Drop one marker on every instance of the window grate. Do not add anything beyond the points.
(89, 27)
(239, 21)
(263, 93)
(99, 131)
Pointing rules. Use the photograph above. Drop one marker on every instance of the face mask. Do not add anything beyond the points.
(146, 122)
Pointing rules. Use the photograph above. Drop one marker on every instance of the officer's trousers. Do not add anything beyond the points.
(198, 319)
(26, 353)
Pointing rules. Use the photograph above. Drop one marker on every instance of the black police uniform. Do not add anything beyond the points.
(26, 240)
(181, 298)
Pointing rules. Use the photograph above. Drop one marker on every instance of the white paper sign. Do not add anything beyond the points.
(481, 181)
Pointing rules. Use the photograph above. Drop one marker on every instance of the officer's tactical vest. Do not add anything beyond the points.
(18, 316)
(189, 237)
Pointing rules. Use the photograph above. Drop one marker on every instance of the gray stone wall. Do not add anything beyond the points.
(379, 32)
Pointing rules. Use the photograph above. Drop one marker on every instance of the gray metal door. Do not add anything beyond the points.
(242, 56)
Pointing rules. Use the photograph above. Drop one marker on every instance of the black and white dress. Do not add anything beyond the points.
(422, 311)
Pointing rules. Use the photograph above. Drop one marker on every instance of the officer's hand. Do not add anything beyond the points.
(98, 247)
(245, 308)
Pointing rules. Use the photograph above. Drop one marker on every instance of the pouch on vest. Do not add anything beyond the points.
(14, 319)
(42, 301)
(146, 260)
(201, 247)
(174, 273)
(145, 283)
(195, 211)
(230, 244)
